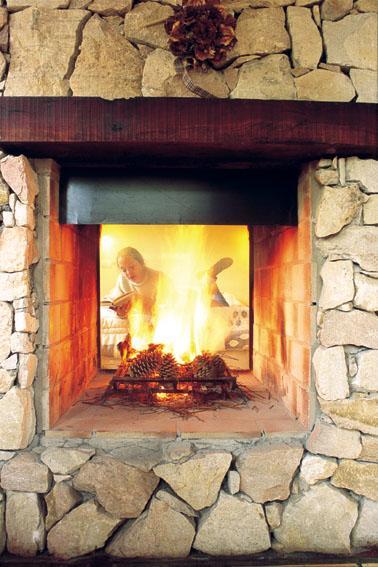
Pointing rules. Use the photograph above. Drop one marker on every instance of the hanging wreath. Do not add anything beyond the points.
(201, 32)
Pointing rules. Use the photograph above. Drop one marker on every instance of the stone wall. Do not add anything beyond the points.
(164, 497)
(324, 50)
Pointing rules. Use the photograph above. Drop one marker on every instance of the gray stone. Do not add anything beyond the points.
(338, 207)
(319, 520)
(267, 469)
(261, 31)
(197, 480)
(365, 533)
(338, 287)
(6, 380)
(25, 474)
(178, 450)
(233, 482)
(144, 458)
(371, 210)
(273, 512)
(75, 535)
(39, 64)
(327, 439)
(66, 460)
(17, 418)
(6, 322)
(324, 85)
(59, 501)
(10, 363)
(6, 455)
(14, 285)
(108, 66)
(315, 468)
(352, 41)
(138, 28)
(306, 40)
(175, 503)
(361, 478)
(27, 370)
(159, 532)
(232, 527)
(366, 293)
(268, 78)
(369, 449)
(111, 7)
(358, 243)
(122, 490)
(365, 83)
(349, 328)
(359, 413)
(24, 524)
(331, 373)
(16, 5)
(364, 171)
(17, 249)
(335, 9)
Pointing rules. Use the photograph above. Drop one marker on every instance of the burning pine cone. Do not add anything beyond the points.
(146, 365)
(201, 31)
(207, 366)
(169, 368)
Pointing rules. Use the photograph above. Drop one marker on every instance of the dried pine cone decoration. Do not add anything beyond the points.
(201, 31)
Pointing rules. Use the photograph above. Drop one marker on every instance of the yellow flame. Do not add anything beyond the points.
(182, 318)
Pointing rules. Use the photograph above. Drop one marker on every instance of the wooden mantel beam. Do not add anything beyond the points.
(187, 132)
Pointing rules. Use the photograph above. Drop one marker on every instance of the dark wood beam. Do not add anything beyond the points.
(185, 132)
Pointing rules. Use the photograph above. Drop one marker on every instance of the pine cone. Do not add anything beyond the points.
(203, 368)
(220, 366)
(145, 365)
(169, 368)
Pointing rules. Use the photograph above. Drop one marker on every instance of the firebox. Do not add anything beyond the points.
(212, 336)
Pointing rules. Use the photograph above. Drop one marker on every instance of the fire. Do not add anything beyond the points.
(182, 318)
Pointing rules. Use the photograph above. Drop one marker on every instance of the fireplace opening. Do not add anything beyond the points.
(223, 348)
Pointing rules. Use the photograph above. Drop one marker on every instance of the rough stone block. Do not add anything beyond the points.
(369, 449)
(14, 285)
(371, 210)
(335, 9)
(365, 533)
(21, 177)
(112, 8)
(338, 286)
(361, 478)
(261, 32)
(6, 322)
(7, 379)
(273, 512)
(358, 413)
(25, 323)
(324, 85)
(331, 373)
(22, 342)
(64, 460)
(365, 83)
(314, 468)
(27, 370)
(365, 171)
(17, 418)
(17, 249)
(24, 524)
(138, 30)
(25, 474)
(337, 208)
(268, 78)
(24, 215)
(327, 439)
(59, 501)
(349, 328)
(306, 40)
(357, 243)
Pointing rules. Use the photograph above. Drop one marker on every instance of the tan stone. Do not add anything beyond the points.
(338, 287)
(267, 469)
(232, 527)
(178, 450)
(319, 520)
(108, 66)
(75, 535)
(322, 85)
(6, 322)
(337, 208)
(22, 342)
(327, 176)
(159, 532)
(64, 460)
(315, 468)
(25, 474)
(8, 219)
(327, 439)
(2, 523)
(3, 17)
(364, 171)
(4, 193)
(111, 7)
(4, 39)
(11, 363)
(153, 83)
(25, 323)
(359, 413)
(361, 478)
(24, 215)
(358, 243)
(306, 40)
(21, 178)
(233, 482)
(59, 501)
(39, 64)
(6, 456)
(211, 81)
(176, 503)
(104, 476)
(6, 380)
(369, 449)
(138, 30)
(365, 533)
(17, 418)
(349, 328)
(16, 5)
(352, 41)
(371, 210)
(261, 31)
(14, 285)
(366, 293)
(17, 249)
(27, 370)
(143, 458)
(335, 9)
(365, 83)
(197, 480)
(331, 373)
(268, 78)
(366, 5)
(273, 512)
(24, 524)
(79, 4)
(3, 65)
